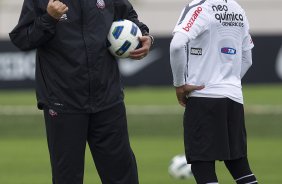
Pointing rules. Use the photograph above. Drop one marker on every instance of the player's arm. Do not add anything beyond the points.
(178, 63)
(146, 40)
(34, 30)
(191, 23)
(246, 62)
(178, 58)
(247, 46)
(132, 15)
(124, 10)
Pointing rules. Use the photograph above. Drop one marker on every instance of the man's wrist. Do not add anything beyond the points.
(151, 37)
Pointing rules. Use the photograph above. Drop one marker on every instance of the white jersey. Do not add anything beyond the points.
(218, 33)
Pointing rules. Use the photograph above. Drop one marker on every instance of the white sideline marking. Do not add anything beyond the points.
(143, 109)
(18, 110)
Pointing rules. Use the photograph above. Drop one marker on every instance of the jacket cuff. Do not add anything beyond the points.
(46, 18)
(145, 32)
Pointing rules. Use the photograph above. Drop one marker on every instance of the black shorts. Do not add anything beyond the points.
(214, 129)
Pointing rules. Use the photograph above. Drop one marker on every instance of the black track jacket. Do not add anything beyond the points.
(75, 73)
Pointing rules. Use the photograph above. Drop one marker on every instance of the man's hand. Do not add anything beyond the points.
(56, 9)
(144, 50)
(183, 91)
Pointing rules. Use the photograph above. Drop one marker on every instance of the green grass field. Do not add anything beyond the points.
(155, 127)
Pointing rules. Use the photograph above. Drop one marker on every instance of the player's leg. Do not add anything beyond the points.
(205, 136)
(204, 172)
(66, 136)
(240, 170)
(205, 129)
(109, 145)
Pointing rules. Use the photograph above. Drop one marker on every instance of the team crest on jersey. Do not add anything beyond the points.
(101, 4)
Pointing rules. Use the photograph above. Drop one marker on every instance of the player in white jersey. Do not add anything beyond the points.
(210, 53)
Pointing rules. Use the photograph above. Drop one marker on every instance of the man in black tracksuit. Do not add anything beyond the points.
(78, 84)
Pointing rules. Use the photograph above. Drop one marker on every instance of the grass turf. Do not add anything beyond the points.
(155, 139)
(25, 161)
(253, 94)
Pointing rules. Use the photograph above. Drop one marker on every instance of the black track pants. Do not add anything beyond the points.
(107, 136)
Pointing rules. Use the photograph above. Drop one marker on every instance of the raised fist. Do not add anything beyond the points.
(56, 9)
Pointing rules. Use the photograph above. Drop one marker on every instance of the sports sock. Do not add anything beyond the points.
(240, 170)
(204, 172)
(248, 179)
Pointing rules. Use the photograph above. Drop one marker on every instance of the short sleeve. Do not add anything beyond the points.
(193, 21)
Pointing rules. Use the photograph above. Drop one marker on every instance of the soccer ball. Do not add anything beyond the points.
(123, 38)
(179, 168)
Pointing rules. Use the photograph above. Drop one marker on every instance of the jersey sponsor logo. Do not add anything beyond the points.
(228, 18)
(193, 19)
(233, 24)
(228, 50)
(219, 8)
(196, 51)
